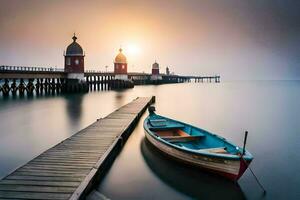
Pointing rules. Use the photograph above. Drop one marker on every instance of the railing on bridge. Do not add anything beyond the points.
(44, 69)
(33, 69)
(96, 71)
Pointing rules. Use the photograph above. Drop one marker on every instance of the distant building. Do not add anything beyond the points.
(155, 68)
(167, 71)
(120, 66)
(155, 72)
(74, 60)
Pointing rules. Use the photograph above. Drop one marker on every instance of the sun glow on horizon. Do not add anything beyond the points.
(132, 49)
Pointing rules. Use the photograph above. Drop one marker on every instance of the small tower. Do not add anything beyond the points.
(74, 60)
(167, 71)
(155, 68)
(155, 72)
(120, 66)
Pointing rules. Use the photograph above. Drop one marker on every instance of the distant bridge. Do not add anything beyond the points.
(17, 72)
(18, 79)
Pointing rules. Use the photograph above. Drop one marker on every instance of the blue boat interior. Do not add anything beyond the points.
(189, 137)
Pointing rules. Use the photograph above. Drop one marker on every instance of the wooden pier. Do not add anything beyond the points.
(17, 80)
(69, 169)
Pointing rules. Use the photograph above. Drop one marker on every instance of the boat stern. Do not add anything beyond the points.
(244, 163)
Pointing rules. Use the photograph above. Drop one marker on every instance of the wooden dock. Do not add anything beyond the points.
(69, 169)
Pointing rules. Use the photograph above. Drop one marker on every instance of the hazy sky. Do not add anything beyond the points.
(238, 39)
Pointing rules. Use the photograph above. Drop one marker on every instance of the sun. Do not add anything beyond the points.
(133, 49)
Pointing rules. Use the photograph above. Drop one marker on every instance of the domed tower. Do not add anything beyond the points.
(155, 68)
(74, 60)
(120, 66)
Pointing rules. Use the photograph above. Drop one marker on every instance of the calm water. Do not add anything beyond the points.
(269, 110)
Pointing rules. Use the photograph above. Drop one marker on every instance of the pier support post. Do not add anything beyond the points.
(37, 87)
(53, 86)
(21, 87)
(58, 86)
(30, 87)
(98, 83)
(14, 87)
(5, 87)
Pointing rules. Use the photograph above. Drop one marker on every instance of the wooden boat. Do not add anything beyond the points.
(196, 146)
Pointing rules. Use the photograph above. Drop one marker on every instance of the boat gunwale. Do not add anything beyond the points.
(247, 156)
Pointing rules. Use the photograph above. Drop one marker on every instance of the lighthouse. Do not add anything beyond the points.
(74, 60)
(155, 72)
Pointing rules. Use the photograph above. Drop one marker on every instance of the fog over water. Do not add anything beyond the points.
(269, 110)
(239, 39)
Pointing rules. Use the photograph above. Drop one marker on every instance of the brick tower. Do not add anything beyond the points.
(74, 60)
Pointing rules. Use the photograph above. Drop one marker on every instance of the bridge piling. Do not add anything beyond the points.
(30, 87)
(14, 87)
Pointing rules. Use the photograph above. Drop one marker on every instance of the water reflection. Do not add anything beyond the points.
(74, 107)
(119, 98)
(189, 180)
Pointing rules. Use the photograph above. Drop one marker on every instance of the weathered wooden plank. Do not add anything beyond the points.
(33, 195)
(77, 156)
(80, 149)
(40, 183)
(87, 147)
(63, 164)
(54, 171)
(66, 159)
(73, 151)
(83, 146)
(63, 161)
(70, 158)
(55, 167)
(90, 139)
(94, 138)
(57, 174)
(121, 116)
(98, 128)
(34, 188)
(94, 145)
(44, 178)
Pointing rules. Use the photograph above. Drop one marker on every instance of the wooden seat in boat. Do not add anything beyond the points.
(187, 138)
(168, 127)
(172, 132)
(158, 122)
(162, 124)
(214, 150)
(177, 135)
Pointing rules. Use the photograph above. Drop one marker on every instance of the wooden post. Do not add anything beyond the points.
(245, 141)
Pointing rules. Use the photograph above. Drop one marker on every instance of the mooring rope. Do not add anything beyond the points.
(261, 186)
(241, 155)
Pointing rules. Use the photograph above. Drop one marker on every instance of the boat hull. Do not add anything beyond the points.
(228, 168)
